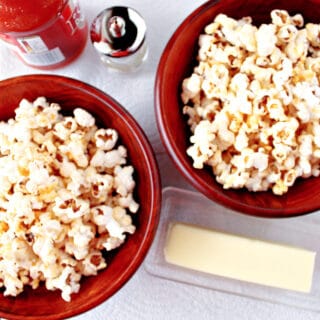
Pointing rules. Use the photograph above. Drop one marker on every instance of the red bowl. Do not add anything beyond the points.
(176, 63)
(123, 262)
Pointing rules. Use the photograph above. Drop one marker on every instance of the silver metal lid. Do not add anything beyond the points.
(118, 32)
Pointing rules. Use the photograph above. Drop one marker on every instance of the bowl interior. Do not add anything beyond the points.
(177, 62)
(122, 263)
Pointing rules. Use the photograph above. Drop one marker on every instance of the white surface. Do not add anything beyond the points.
(145, 296)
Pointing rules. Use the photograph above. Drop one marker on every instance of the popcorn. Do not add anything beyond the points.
(123, 181)
(80, 236)
(275, 109)
(313, 31)
(83, 118)
(109, 159)
(106, 139)
(191, 87)
(280, 78)
(101, 185)
(66, 195)
(64, 128)
(67, 282)
(280, 152)
(298, 47)
(286, 33)
(75, 149)
(280, 17)
(128, 202)
(205, 134)
(69, 208)
(242, 140)
(92, 263)
(266, 39)
(215, 81)
(253, 102)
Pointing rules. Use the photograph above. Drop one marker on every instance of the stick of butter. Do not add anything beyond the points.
(240, 258)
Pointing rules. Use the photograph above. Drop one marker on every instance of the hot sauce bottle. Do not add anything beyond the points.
(45, 34)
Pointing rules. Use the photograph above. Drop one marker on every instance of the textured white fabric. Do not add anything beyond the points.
(146, 297)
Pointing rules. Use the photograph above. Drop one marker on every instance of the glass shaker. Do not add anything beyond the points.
(119, 36)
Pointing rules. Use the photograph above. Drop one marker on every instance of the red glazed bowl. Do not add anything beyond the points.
(123, 262)
(176, 63)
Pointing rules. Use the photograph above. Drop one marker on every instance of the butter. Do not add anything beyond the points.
(240, 258)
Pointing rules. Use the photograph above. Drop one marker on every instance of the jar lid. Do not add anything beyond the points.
(118, 31)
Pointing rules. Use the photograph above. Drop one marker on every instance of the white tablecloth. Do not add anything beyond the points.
(145, 296)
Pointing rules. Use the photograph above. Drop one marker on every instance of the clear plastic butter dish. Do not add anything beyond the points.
(184, 207)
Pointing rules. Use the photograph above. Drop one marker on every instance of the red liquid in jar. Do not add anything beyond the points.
(46, 34)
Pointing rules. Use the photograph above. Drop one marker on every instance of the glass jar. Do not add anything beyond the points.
(45, 34)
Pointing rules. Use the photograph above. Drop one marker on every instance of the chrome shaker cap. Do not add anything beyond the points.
(118, 32)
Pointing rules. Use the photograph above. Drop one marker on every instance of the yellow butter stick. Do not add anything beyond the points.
(240, 258)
